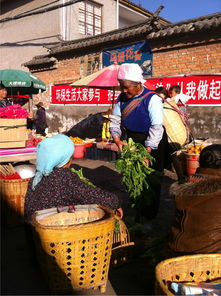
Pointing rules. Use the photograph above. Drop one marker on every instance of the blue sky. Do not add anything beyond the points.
(179, 10)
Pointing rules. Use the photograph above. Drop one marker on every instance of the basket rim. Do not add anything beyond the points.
(179, 258)
(35, 223)
(186, 153)
(14, 180)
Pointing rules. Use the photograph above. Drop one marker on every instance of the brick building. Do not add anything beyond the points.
(190, 47)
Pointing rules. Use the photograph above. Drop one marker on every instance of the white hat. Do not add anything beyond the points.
(130, 71)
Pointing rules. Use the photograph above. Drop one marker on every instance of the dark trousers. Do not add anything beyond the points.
(40, 131)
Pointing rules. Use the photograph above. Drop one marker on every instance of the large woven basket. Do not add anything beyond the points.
(74, 256)
(193, 268)
(175, 127)
(12, 194)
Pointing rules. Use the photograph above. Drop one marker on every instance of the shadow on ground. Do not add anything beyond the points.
(22, 276)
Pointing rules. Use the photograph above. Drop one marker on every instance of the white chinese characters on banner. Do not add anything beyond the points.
(65, 94)
(77, 94)
(200, 89)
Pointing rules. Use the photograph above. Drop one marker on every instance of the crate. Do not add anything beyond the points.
(192, 268)
(100, 154)
(13, 132)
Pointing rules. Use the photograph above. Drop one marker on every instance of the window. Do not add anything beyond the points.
(89, 18)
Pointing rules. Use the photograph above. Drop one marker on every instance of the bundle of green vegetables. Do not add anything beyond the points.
(138, 179)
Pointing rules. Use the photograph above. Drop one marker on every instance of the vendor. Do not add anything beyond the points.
(106, 128)
(4, 101)
(140, 112)
(55, 185)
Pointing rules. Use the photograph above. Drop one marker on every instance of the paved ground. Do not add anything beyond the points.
(20, 274)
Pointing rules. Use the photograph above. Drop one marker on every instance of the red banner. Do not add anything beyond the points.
(66, 94)
(202, 90)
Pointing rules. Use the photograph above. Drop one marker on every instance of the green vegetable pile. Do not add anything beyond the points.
(81, 176)
(138, 179)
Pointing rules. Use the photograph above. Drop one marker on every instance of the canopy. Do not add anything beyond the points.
(104, 78)
(18, 82)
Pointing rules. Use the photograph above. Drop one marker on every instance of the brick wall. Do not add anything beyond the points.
(192, 59)
(68, 70)
(200, 59)
(169, 59)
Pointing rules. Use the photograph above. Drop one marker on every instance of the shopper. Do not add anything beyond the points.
(173, 147)
(55, 185)
(40, 122)
(180, 99)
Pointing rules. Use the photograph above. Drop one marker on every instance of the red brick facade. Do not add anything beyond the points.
(195, 59)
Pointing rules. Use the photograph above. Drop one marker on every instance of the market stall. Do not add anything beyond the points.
(17, 142)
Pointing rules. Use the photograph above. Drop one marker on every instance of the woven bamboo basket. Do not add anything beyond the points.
(176, 129)
(13, 195)
(121, 248)
(193, 268)
(74, 256)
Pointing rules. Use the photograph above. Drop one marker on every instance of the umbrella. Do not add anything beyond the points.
(104, 78)
(18, 82)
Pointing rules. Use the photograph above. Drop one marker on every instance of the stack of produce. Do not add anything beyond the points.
(77, 140)
(33, 141)
(196, 148)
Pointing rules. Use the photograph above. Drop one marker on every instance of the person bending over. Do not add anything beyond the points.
(55, 185)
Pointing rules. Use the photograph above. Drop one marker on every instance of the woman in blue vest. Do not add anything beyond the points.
(140, 112)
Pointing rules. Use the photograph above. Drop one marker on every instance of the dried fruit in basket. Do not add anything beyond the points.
(77, 140)
(195, 149)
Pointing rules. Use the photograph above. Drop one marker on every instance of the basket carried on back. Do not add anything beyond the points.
(193, 268)
(176, 128)
(13, 193)
(121, 251)
(74, 256)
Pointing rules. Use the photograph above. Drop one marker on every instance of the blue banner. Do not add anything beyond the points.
(139, 53)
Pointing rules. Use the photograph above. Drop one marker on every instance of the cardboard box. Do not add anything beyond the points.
(13, 132)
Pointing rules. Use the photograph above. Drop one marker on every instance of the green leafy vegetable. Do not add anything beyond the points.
(80, 175)
(117, 227)
(138, 179)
